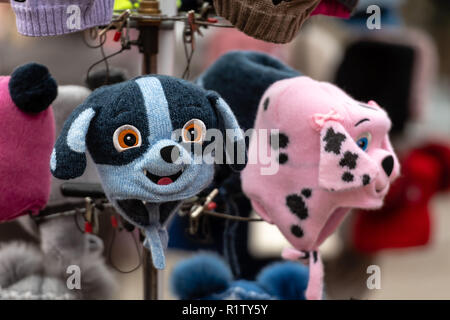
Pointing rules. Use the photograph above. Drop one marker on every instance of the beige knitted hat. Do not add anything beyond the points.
(275, 21)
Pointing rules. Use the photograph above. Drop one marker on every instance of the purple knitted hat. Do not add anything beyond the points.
(38, 18)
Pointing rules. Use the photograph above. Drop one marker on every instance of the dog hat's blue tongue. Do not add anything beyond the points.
(153, 243)
(156, 237)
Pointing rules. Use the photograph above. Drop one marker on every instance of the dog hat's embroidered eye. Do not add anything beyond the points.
(126, 137)
(194, 131)
(364, 140)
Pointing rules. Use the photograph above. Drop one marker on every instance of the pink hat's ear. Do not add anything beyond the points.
(343, 165)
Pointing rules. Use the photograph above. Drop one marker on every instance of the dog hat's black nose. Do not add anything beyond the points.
(170, 154)
(388, 165)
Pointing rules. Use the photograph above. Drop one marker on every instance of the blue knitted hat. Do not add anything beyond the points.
(206, 277)
(127, 128)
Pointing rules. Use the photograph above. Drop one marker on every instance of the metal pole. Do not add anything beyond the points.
(148, 46)
(150, 277)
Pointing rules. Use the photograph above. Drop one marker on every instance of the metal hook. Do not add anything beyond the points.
(197, 210)
(117, 23)
(89, 209)
(190, 28)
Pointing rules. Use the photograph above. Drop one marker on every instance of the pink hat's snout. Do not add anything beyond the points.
(389, 168)
(386, 174)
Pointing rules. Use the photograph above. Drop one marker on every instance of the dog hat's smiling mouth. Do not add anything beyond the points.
(163, 180)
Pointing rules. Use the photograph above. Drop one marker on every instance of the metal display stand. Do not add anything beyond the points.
(148, 46)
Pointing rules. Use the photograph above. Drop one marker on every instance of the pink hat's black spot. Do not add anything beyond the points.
(347, 177)
(281, 138)
(349, 160)
(297, 231)
(284, 140)
(334, 141)
(315, 256)
(365, 179)
(307, 193)
(266, 104)
(283, 158)
(297, 206)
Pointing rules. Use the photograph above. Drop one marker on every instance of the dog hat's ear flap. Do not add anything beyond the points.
(234, 141)
(343, 165)
(68, 160)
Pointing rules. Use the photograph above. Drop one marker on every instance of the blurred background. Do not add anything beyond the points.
(404, 66)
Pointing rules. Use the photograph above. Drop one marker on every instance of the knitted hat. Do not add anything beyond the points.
(405, 59)
(270, 20)
(26, 139)
(333, 154)
(336, 8)
(206, 276)
(38, 18)
(150, 108)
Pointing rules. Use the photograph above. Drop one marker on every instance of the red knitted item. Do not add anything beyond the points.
(405, 221)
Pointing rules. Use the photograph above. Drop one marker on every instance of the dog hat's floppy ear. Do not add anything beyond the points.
(232, 132)
(68, 160)
(343, 165)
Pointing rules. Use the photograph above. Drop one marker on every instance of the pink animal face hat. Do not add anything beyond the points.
(334, 154)
(26, 140)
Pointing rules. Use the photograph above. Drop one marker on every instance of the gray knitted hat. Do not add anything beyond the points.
(38, 18)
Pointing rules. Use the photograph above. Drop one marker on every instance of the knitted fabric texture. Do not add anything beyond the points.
(335, 8)
(333, 154)
(237, 73)
(26, 140)
(37, 18)
(69, 97)
(143, 181)
(207, 277)
(275, 21)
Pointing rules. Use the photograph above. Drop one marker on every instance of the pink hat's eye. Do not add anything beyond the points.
(364, 141)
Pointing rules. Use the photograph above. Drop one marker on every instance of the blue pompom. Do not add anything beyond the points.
(285, 280)
(32, 88)
(200, 276)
